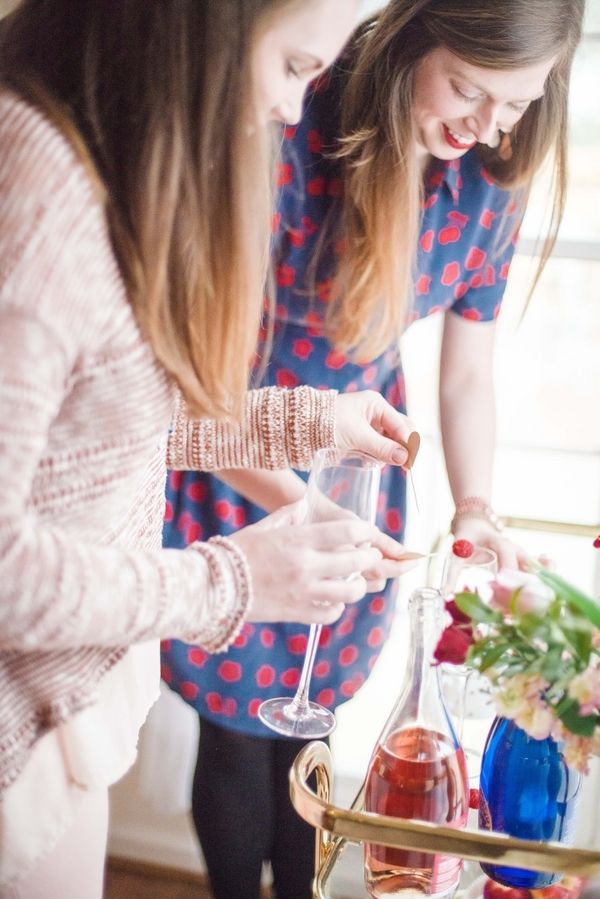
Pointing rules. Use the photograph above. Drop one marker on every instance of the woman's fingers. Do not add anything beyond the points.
(367, 422)
(306, 573)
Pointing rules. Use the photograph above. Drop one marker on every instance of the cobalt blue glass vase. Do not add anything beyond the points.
(528, 791)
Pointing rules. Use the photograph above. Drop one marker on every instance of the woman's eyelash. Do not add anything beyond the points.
(469, 99)
(462, 95)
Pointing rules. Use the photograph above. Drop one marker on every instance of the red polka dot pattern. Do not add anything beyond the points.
(460, 267)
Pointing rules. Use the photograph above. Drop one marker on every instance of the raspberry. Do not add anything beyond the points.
(597, 542)
(474, 798)
(462, 548)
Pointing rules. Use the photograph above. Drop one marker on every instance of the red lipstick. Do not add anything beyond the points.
(453, 142)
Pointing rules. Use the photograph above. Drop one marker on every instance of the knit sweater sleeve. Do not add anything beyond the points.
(280, 429)
(68, 576)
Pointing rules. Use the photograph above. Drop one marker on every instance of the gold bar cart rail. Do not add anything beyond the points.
(337, 826)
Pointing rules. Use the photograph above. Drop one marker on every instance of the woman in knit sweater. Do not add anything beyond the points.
(134, 196)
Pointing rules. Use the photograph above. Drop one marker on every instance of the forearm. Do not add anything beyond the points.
(280, 429)
(467, 409)
(267, 489)
(57, 592)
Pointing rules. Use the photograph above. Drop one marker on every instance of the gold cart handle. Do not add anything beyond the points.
(335, 826)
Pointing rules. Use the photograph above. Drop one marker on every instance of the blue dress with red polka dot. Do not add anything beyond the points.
(462, 266)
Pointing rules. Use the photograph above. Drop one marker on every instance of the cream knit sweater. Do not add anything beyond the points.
(88, 425)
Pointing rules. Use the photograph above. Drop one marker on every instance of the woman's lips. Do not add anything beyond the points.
(454, 143)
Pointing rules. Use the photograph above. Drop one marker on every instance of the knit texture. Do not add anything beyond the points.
(85, 414)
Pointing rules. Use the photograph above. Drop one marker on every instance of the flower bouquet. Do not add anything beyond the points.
(537, 639)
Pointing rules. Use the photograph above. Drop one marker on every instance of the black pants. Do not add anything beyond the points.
(243, 815)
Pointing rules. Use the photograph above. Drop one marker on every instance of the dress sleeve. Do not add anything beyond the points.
(487, 260)
(280, 429)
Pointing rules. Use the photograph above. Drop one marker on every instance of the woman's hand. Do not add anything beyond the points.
(367, 422)
(309, 572)
(482, 533)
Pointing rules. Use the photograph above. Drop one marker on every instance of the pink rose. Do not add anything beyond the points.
(519, 592)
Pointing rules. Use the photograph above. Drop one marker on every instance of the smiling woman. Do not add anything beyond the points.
(458, 105)
(367, 241)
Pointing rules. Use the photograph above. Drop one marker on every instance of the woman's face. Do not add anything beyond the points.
(456, 105)
(299, 42)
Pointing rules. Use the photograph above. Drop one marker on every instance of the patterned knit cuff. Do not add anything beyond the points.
(230, 593)
(310, 418)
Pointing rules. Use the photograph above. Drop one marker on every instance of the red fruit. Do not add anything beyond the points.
(463, 549)
(569, 888)
(493, 890)
(597, 542)
(474, 798)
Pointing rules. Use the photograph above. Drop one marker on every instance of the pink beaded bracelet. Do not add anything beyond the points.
(475, 507)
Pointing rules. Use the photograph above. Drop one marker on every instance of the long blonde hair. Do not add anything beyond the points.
(157, 99)
(381, 208)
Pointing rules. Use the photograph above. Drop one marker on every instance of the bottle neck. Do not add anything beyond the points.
(421, 680)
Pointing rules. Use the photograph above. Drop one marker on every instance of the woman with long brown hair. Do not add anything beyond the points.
(402, 190)
(134, 189)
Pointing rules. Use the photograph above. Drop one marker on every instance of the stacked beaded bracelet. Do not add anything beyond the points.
(475, 507)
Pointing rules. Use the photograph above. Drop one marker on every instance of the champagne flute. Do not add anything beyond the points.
(340, 484)
(466, 691)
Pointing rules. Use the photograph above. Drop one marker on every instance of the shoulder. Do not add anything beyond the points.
(56, 259)
(39, 169)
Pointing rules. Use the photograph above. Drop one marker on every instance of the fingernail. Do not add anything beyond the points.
(399, 456)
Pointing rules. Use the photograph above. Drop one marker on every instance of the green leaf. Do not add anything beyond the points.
(581, 644)
(531, 625)
(580, 725)
(573, 595)
(551, 664)
(491, 655)
(473, 606)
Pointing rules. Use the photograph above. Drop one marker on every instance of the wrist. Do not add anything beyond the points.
(478, 508)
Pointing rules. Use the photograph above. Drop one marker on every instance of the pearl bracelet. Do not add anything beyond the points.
(475, 507)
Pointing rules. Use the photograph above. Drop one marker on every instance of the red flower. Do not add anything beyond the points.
(463, 549)
(454, 644)
(458, 617)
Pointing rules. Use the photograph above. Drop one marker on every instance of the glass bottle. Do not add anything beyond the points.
(417, 769)
(527, 791)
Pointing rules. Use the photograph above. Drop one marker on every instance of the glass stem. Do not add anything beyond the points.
(300, 700)
(462, 709)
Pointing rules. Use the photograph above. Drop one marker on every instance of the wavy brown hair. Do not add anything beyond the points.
(381, 207)
(157, 100)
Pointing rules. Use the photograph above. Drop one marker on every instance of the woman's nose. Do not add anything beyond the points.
(484, 124)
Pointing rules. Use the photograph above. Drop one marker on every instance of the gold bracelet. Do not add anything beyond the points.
(475, 507)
